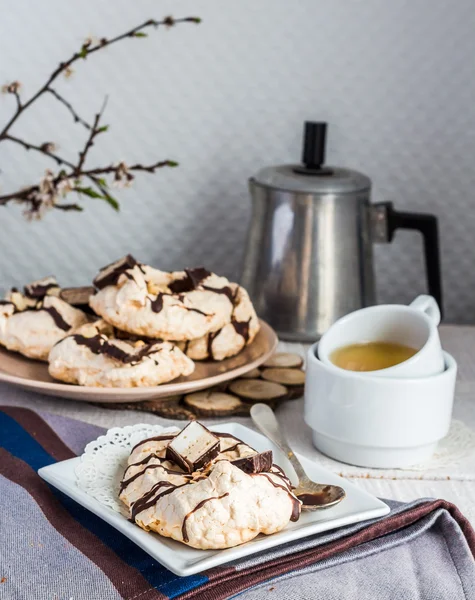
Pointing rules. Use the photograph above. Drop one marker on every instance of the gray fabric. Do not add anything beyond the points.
(37, 562)
(318, 540)
(75, 434)
(427, 561)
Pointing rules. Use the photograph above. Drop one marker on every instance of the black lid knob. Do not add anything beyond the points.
(313, 152)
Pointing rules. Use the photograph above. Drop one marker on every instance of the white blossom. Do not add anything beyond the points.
(122, 176)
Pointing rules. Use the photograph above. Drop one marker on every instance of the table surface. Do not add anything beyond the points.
(457, 340)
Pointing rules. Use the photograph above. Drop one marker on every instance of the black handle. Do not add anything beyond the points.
(429, 227)
(313, 152)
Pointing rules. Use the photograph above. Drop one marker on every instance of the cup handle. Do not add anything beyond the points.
(428, 305)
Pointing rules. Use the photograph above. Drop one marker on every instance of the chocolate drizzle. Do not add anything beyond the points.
(157, 304)
(148, 500)
(280, 471)
(38, 290)
(184, 533)
(57, 318)
(51, 310)
(196, 310)
(209, 348)
(145, 501)
(129, 276)
(125, 482)
(144, 351)
(192, 279)
(144, 461)
(232, 448)
(98, 344)
(227, 291)
(6, 303)
(132, 337)
(110, 274)
(295, 503)
(157, 438)
(242, 328)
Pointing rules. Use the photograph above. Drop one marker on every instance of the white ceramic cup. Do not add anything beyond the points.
(414, 325)
(376, 421)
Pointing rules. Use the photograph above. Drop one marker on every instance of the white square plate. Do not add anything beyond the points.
(183, 560)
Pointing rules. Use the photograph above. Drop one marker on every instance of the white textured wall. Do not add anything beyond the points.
(395, 79)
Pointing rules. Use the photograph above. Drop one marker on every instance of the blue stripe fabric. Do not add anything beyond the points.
(18, 442)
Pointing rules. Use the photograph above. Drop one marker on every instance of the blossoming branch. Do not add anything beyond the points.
(54, 186)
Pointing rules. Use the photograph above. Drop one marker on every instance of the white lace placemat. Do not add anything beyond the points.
(453, 459)
(104, 461)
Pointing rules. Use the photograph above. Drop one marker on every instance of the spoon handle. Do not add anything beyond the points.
(264, 418)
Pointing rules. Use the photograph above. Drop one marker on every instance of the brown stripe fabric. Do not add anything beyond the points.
(127, 580)
(226, 582)
(39, 431)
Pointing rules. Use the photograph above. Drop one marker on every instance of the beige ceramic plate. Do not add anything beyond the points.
(33, 375)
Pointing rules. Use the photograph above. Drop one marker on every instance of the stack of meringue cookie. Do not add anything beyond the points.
(207, 490)
(138, 326)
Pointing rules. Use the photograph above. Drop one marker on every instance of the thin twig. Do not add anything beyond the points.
(17, 195)
(84, 53)
(18, 100)
(95, 131)
(42, 149)
(68, 105)
(137, 167)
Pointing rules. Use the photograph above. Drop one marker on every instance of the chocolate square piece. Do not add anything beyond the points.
(109, 274)
(194, 447)
(77, 296)
(257, 463)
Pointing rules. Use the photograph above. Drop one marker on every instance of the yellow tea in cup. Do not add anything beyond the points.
(371, 356)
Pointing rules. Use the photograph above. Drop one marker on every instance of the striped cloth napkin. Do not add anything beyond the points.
(53, 549)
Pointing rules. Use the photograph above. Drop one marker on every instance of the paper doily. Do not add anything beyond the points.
(454, 458)
(458, 444)
(105, 459)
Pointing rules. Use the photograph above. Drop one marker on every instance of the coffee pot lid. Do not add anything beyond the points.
(312, 176)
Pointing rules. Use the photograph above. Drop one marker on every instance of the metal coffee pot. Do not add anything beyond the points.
(309, 255)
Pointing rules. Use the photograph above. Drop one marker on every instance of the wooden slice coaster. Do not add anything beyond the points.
(284, 360)
(174, 410)
(295, 392)
(288, 377)
(209, 403)
(256, 390)
(254, 374)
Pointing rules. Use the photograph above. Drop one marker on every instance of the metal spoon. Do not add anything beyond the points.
(313, 495)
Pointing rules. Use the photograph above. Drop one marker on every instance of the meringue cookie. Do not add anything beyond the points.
(178, 306)
(31, 323)
(93, 357)
(219, 506)
(233, 337)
